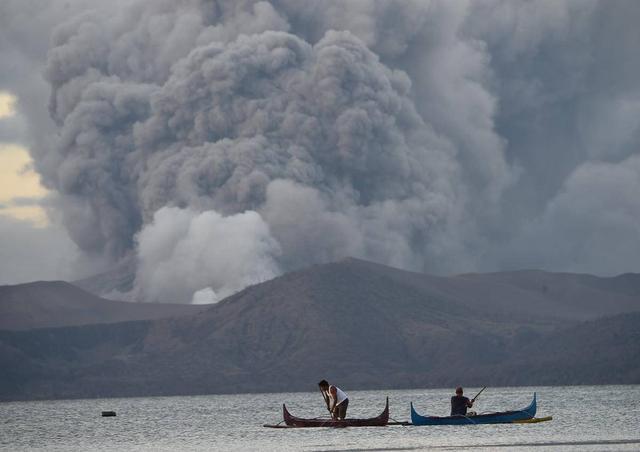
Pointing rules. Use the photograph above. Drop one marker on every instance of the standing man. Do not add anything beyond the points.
(335, 398)
(460, 403)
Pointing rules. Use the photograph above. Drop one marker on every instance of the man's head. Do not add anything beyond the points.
(459, 390)
(324, 385)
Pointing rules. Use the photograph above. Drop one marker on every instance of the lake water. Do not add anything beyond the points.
(584, 418)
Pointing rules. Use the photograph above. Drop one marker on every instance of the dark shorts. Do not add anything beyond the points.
(341, 409)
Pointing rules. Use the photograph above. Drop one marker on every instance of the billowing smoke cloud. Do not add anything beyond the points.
(598, 200)
(436, 136)
(319, 145)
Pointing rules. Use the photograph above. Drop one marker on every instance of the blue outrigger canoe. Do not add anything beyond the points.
(504, 417)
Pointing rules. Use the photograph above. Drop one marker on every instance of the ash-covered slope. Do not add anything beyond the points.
(570, 295)
(605, 350)
(45, 304)
(118, 279)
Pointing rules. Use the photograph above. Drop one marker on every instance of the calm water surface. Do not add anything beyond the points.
(584, 418)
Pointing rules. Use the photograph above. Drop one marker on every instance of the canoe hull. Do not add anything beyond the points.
(378, 421)
(504, 417)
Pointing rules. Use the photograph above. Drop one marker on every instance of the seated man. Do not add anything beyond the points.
(460, 403)
(336, 400)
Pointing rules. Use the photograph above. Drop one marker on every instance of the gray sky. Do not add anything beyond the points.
(221, 143)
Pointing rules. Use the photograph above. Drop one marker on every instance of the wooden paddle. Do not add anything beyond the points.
(326, 400)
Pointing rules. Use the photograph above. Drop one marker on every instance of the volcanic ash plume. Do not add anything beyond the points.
(222, 148)
(439, 136)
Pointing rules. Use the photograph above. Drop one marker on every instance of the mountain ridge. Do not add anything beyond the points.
(44, 304)
(353, 322)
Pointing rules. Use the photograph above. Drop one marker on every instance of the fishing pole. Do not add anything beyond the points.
(474, 399)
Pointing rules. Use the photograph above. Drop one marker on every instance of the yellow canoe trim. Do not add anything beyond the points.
(534, 420)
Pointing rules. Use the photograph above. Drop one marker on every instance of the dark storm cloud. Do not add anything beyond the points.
(436, 136)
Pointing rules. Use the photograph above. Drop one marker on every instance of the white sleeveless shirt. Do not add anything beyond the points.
(341, 396)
